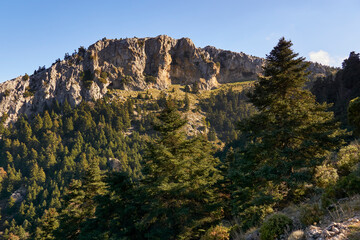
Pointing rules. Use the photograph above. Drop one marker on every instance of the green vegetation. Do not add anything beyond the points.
(354, 115)
(150, 79)
(195, 88)
(25, 77)
(180, 175)
(218, 232)
(275, 226)
(310, 214)
(43, 155)
(103, 77)
(87, 78)
(28, 92)
(141, 43)
(289, 136)
(126, 79)
(125, 167)
(224, 110)
(187, 102)
(340, 88)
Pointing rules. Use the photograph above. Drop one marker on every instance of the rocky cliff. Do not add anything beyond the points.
(130, 64)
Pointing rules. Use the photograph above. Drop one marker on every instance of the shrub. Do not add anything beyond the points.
(150, 79)
(217, 233)
(348, 159)
(104, 75)
(25, 77)
(126, 79)
(103, 80)
(87, 78)
(274, 226)
(310, 214)
(253, 216)
(325, 175)
(28, 92)
(6, 93)
(350, 184)
(97, 71)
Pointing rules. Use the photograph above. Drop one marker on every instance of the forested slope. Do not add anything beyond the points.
(143, 165)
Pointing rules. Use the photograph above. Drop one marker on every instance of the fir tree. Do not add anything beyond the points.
(47, 225)
(47, 122)
(290, 135)
(79, 202)
(180, 175)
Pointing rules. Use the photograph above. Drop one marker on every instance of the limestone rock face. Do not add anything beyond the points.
(235, 67)
(130, 64)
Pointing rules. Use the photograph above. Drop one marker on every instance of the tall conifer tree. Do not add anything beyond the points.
(290, 135)
(180, 175)
(79, 202)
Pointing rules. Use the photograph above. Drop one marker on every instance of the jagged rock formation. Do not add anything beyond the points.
(130, 64)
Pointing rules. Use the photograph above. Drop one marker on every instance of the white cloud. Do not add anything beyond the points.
(320, 57)
(324, 58)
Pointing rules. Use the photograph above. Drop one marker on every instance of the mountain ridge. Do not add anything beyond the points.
(129, 64)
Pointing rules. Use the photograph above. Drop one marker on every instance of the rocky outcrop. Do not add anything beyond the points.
(19, 195)
(130, 64)
(334, 231)
(235, 67)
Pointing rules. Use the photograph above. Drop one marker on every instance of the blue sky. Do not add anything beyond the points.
(35, 33)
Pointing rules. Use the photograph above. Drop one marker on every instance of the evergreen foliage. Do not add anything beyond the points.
(127, 170)
(274, 227)
(186, 102)
(79, 202)
(43, 156)
(286, 140)
(354, 115)
(224, 110)
(340, 88)
(179, 179)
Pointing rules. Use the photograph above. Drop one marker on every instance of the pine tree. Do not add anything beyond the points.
(47, 122)
(68, 125)
(79, 202)
(212, 134)
(66, 108)
(290, 135)
(195, 88)
(354, 115)
(47, 225)
(180, 175)
(186, 102)
(117, 210)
